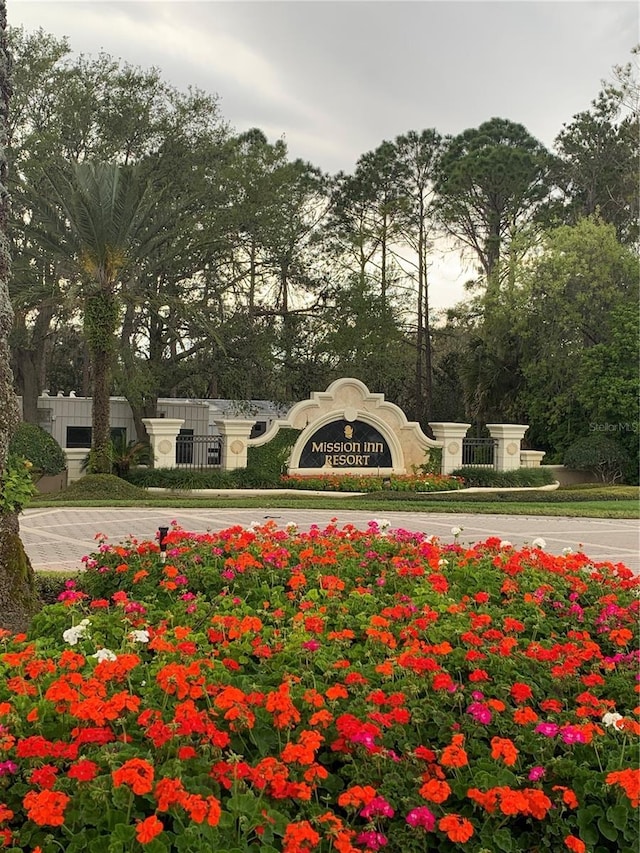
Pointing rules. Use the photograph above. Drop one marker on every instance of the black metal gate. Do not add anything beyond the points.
(479, 452)
(197, 452)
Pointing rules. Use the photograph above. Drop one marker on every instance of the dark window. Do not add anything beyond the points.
(80, 436)
(184, 447)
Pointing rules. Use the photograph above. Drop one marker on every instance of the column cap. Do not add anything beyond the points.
(507, 430)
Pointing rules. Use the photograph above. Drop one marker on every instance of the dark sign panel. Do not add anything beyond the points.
(346, 444)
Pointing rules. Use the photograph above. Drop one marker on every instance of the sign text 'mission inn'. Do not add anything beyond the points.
(344, 444)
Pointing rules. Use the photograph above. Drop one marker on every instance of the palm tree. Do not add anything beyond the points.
(18, 597)
(100, 220)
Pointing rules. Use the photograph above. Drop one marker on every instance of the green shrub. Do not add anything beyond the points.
(371, 483)
(16, 484)
(124, 455)
(433, 465)
(518, 478)
(101, 487)
(50, 585)
(266, 463)
(41, 449)
(557, 496)
(180, 478)
(601, 455)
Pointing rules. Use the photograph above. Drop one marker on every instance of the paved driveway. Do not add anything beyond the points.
(57, 538)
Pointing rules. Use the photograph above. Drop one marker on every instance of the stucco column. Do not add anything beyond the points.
(75, 458)
(531, 458)
(509, 437)
(235, 435)
(450, 436)
(162, 434)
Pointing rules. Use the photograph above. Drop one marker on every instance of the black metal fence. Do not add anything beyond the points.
(479, 452)
(198, 451)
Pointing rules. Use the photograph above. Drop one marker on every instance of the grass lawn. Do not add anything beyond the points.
(587, 502)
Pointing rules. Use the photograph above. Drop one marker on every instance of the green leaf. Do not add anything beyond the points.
(607, 829)
(123, 833)
(157, 845)
(618, 816)
(244, 804)
(503, 840)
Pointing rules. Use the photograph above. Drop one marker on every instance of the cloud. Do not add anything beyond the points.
(337, 78)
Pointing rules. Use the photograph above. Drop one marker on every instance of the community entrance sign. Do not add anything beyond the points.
(344, 444)
(348, 429)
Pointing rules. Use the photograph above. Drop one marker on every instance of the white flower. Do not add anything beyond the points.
(430, 539)
(140, 636)
(291, 525)
(442, 562)
(381, 523)
(73, 634)
(506, 544)
(104, 654)
(255, 525)
(566, 551)
(611, 719)
(456, 531)
(539, 543)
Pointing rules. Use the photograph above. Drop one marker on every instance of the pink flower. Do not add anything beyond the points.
(422, 816)
(366, 739)
(536, 773)
(571, 734)
(372, 840)
(547, 729)
(480, 713)
(311, 645)
(378, 807)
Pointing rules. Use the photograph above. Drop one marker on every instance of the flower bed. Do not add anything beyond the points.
(372, 483)
(268, 690)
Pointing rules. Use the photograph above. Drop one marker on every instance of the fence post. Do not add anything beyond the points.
(509, 437)
(235, 435)
(450, 436)
(531, 458)
(162, 434)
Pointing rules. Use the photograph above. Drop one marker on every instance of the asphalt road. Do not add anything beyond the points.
(58, 538)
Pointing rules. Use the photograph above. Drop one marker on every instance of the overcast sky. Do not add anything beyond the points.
(335, 79)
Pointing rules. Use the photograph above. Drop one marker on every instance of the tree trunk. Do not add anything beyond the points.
(100, 413)
(428, 358)
(27, 375)
(148, 409)
(18, 597)
(29, 356)
(100, 319)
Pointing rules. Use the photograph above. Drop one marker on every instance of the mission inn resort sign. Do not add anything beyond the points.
(348, 429)
(344, 444)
